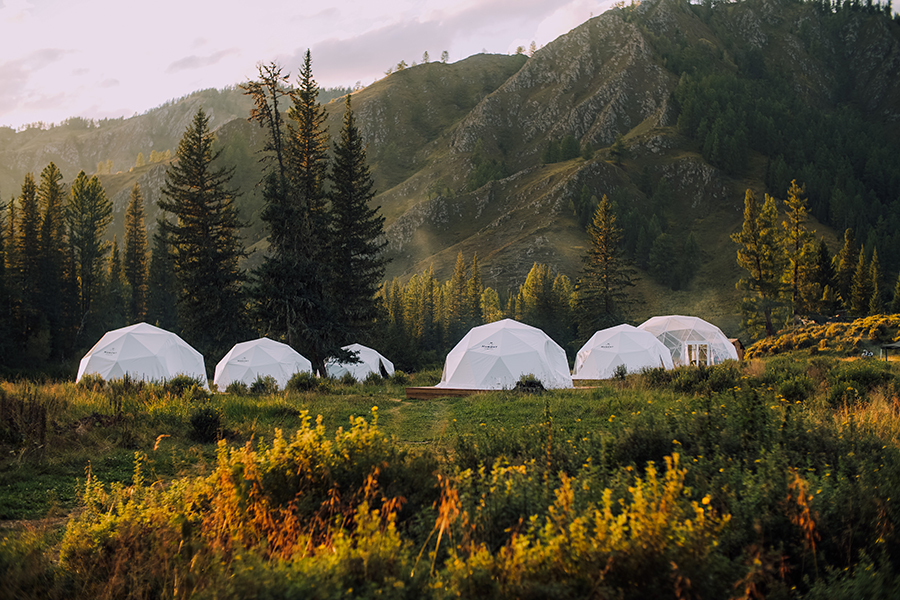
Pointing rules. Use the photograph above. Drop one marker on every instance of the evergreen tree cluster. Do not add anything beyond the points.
(316, 286)
(845, 161)
(566, 149)
(61, 284)
(668, 254)
(791, 274)
(422, 319)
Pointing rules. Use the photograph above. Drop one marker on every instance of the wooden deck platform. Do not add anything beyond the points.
(426, 393)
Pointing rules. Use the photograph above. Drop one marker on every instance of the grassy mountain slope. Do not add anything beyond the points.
(432, 128)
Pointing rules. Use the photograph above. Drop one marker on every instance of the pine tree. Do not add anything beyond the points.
(822, 277)
(601, 289)
(29, 266)
(798, 248)
(291, 287)
(53, 240)
(759, 254)
(490, 306)
(88, 214)
(876, 304)
(895, 305)
(116, 293)
(474, 288)
(861, 289)
(456, 300)
(135, 259)
(205, 244)
(6, 324)
(357, 230)
(162, 284)
(846, 261)
(537, 297)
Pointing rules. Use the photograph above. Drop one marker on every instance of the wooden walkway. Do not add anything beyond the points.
(428, 393)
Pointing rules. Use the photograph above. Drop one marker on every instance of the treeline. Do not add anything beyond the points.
(791, 273)
(421, 320)
(62, 286)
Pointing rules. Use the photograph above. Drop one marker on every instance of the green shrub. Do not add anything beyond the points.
(400, 378)
(92, 382)
(187, 387)
(264, 385)
(206, 425)
(237, 388)
(348, 379)
(374, 378)
(303, 381)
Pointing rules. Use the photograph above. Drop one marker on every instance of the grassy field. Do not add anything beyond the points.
(774, 478)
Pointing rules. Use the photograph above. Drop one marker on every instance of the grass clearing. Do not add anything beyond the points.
(724, 472)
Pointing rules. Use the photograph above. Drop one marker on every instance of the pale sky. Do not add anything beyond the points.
(111, 58)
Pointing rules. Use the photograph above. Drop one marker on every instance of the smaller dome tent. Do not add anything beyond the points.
(691, 340)
(143, 352)
(496, 355)
(620, 345)
(370, 361)
(247, 361)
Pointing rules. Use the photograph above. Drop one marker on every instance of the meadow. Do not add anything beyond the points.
(777, 477)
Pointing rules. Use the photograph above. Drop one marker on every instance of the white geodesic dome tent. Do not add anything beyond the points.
(143, 352)
(260, 358)
(691, 340)
(370, 361)
(624, 345)
(496, 355)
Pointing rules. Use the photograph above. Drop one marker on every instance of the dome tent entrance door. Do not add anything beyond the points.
(697, 354)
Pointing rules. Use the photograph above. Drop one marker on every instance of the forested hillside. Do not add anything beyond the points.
(670, 109)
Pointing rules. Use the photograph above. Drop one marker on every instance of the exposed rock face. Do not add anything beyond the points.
(599, 80)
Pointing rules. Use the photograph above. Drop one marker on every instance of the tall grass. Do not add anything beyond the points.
(775, 478)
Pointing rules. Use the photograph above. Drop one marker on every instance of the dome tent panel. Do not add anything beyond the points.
(496, 355)
(622, 345)
(369, 361)
(262, 357)
(143, 352)
(691, 340)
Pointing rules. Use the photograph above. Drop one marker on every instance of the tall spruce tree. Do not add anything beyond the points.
(88, 214)
(895, 304)
(162, 284)
(291, 288)
(205, 243)
(822, 278)
(357, 230)
(53, 241)
(116, 290)
(861, 288)
(135, 259)
(759, 254)
(846, 262)
(28, 265)
(6, 324)
(605, 277)
(876, 302)
(797, 241)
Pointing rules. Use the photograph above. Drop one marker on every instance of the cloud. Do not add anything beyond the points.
(109, 83)
(16, 74)
(198, 62)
